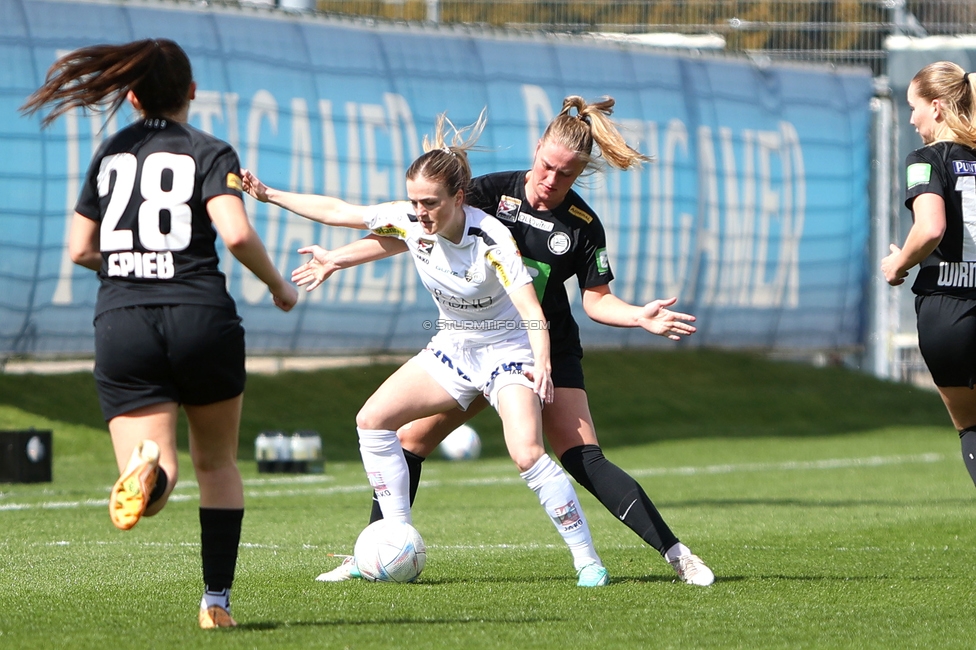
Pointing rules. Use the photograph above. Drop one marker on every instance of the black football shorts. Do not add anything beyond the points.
(947, 338)
(189, 354)
(567, 371)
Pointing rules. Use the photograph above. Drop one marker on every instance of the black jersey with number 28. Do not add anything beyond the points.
(949, 170)
(148, 187)
(555, 245)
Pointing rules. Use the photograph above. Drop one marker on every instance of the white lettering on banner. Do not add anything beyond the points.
(739, 245)
(63, 294)
(298, 231)
(538, 114)
(716, 219)
(707, 256)
(674, 263)
(264, 107)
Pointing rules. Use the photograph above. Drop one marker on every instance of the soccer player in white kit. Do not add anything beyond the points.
(492, 336)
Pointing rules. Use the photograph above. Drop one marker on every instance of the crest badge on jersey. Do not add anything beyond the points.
(508, 208)
(475, 274)
(425, 246)
(559, 243)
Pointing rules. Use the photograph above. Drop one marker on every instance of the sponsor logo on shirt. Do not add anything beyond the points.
(602, 260)
(964, 167)
(425, 246)
(389, 230)
(535, 222)
(580, 214)
(508, 208)
(234, 182)
(957, 274)
(559, 243)
(451, 301)
(917, 174)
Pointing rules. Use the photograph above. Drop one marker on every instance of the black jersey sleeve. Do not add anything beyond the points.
(924, 174)
(481, 194)
(87, 205)
(223, 176)
(593, 262)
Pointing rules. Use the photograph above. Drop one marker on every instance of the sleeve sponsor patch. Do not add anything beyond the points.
(389, 230)
(581, 214)
(499, 268)
(234, 182)
(602, 260)
(918, 174)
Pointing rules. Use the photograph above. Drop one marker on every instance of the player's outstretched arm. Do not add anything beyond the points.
(324, 209)
(655, 317)
(229, 218)
(325, 262)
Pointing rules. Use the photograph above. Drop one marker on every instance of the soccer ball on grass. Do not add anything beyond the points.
(461, 444)
(390, 551)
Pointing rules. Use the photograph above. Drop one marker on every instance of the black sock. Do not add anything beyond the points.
(220, 536)
(619, 493)
(162, 480)
(414, 467)
(968, 438)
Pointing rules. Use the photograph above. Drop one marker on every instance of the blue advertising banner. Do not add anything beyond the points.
(754, 212)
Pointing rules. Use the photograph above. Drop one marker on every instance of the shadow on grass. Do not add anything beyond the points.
(644, 579)
(264, 626)
(814, 503)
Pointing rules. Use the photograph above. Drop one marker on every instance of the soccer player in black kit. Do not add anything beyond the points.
(940, 189)
(167, 333)
(559, 237)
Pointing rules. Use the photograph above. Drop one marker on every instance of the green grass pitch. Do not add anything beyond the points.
(833, 508)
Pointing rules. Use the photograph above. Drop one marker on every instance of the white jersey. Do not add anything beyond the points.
(470, 281)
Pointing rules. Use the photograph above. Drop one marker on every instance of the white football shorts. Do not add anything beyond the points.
(466, 369)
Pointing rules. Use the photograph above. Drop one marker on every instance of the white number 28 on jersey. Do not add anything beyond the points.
(154, 200)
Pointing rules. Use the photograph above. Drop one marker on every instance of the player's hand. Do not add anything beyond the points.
(890, 267)
(315, 271)
(285, 296)
(541, 377)
(253, 186)
(657, 319)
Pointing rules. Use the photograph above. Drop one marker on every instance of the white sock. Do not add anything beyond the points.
(676, 551)
(558, 499)
(387, 471)
(221, 598)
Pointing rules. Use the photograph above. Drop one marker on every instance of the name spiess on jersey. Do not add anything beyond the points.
(150, 265)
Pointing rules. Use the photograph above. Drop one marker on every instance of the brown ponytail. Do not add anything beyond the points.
(157, 71)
